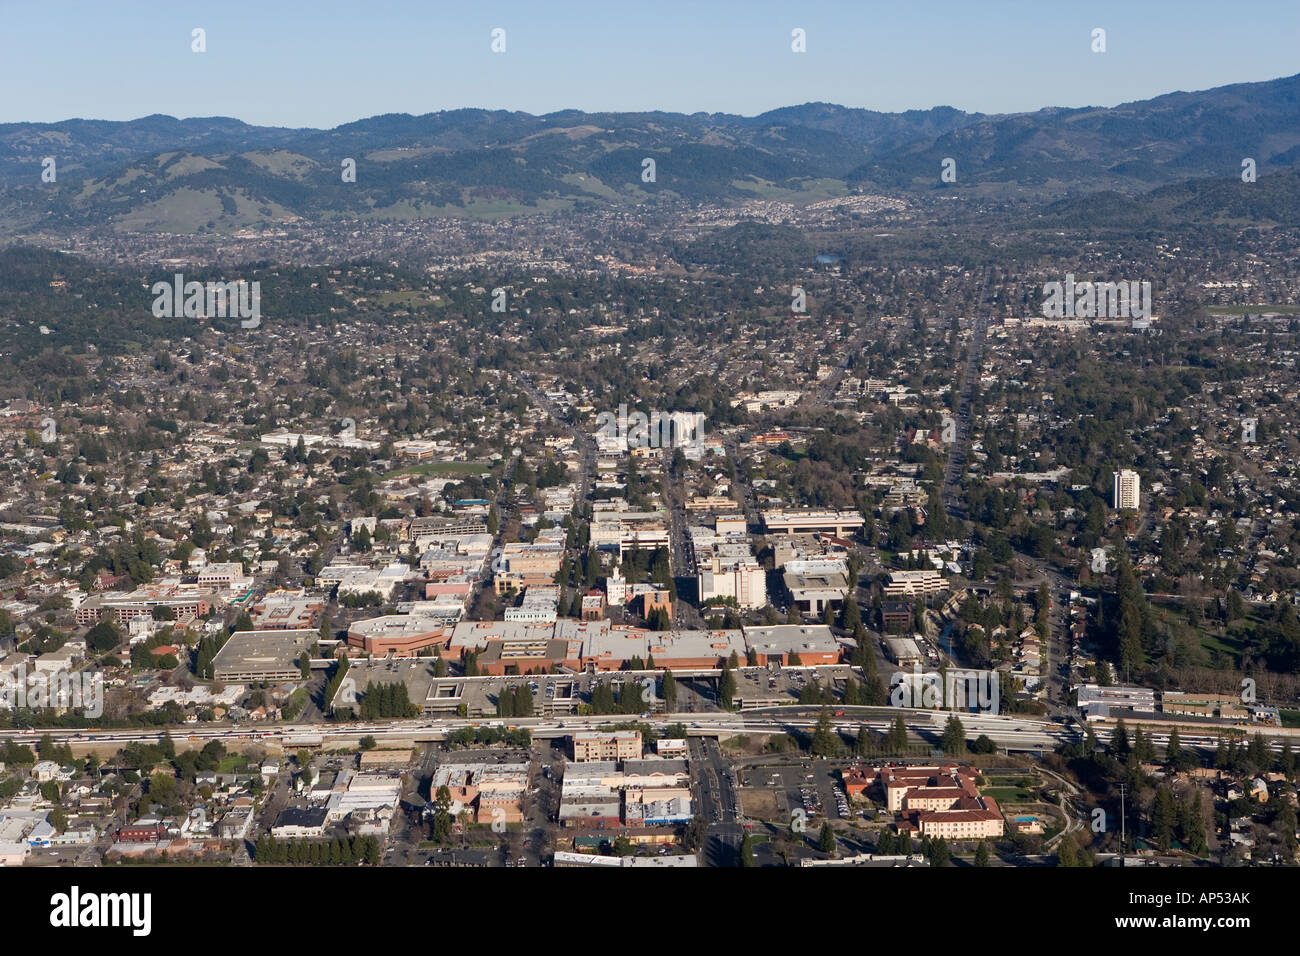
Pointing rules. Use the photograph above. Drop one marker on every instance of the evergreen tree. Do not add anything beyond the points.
(1067, 853)
(1119, 745)
(826, 840)
(953, 740)
(1164, 817)
(897, 740)
(726, 688)
(825, 742)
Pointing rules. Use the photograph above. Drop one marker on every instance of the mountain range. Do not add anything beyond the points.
(163, 174)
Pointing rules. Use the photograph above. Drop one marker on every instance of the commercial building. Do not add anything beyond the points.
(657, 807)
(262, 655)
(599, 745)
(300, 823)
(817, 584)
(1097, 703)
(525, 655)
(739, 578)
(1192, 704)
(540, 605)
(811, 644)
(286, 610)
(366, 799)
(806, 520)
(904, 651)
(913, 583)
(403, 635)
(895, 615)
(490, 791)
(603, 646)
(171, 599)
(224, 576)
(527, 566)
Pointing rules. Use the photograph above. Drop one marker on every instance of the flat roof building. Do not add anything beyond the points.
(399, 634)
(777, 643)
(262, 655)
(792, 521)
(912, 583)
(600, 745)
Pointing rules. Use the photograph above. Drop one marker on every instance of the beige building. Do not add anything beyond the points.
(598, 745)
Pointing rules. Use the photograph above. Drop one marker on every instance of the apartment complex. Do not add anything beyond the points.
(1127, 491)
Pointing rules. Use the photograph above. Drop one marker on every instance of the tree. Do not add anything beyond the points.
(982, 853)
(1164, 817)
(103, 637)
(304, 665)
(940, 855)
(852, 616)
(825, 742)
(1067, 853)
(897, 740)
(726, 688)
(862, 745)
(826, 840)
(361, 540)
(747, 851)
(953, 740)
(1174, 749)
(1236, 608)
(669, 690)
(1119, 739)
(1191, 825)
(442, 815)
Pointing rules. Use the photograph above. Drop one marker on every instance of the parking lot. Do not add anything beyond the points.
(783, 685)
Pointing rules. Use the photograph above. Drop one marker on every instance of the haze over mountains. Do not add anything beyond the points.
(162, 174)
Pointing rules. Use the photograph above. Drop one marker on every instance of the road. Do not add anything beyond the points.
(1009, 731)
(586, 444)
(953, 500)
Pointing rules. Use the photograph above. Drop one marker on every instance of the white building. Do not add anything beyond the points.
(1128, 493)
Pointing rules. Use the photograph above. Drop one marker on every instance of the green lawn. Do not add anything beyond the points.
(1011, 794)
(446, 468)
(411, 298)
(1224, 644)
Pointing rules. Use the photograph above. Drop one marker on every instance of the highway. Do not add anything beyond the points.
(1018, 733)
(1011, 732)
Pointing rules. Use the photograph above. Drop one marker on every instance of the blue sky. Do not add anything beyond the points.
(323, 62)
